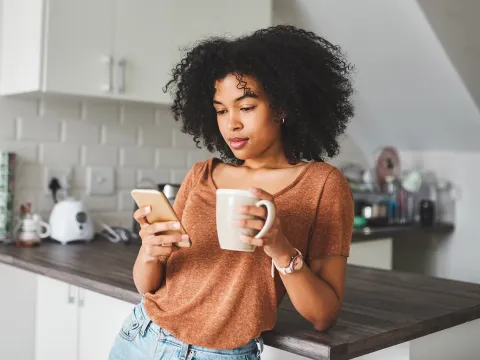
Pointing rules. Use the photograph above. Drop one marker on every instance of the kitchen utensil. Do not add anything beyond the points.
(427, 212)
(70, 221)
(447, 195)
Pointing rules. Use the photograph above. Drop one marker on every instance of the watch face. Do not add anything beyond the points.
(297, 263)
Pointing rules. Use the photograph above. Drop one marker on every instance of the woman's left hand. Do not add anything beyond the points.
(274, 242)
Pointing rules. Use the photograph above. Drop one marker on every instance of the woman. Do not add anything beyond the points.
(273, 105)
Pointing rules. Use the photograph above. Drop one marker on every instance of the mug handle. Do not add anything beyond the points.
(270, 217)
(46, 227)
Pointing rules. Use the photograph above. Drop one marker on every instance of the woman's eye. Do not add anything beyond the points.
(247, 109)
(221, 112)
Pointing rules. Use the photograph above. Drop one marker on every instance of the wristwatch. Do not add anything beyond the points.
(296, 263)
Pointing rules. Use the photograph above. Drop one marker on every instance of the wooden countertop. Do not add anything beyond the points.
(381, 308)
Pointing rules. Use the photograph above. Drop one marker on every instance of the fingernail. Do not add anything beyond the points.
(253, 189)
(243, 208)
(185, 237)
(148, 209)
(176, 225)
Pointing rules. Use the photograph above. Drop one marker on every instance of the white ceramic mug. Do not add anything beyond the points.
(32, 228)
(228, 205)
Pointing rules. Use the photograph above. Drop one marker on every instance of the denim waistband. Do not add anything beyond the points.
(253, 346)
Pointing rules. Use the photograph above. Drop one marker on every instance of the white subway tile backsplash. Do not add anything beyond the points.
(79, 180)
(14, 107)
(98, 155)
(40, 201)
(126, 178)
(164, 115)
(102, 112)
(101, 203)
(137, 156)
(178, 175)
(159, 136)
(44, 204)
(136, 139)
(125, 201)
(119, 134)
(138, 115)
(29, 176)
(59, 154)
(175, 158)
(181, 140)
(61, 109)
(81, 132)
(7, 128)
(153, 176)
(197, 156)
(118, 218)
(38, 129)
(27, 152)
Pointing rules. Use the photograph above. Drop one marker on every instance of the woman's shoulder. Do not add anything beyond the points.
(324, 170)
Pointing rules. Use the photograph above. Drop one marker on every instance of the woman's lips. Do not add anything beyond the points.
(238, 143)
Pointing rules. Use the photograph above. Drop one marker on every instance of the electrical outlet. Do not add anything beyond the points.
(100, 180)
(64, 176)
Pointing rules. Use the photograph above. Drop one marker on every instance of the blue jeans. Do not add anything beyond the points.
(141, 339)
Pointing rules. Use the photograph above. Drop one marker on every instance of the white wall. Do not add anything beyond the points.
(408, 93)
(455, 256)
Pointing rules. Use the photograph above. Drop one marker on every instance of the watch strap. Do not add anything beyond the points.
(286, 270)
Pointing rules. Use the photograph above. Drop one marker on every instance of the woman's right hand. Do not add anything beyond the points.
(156, 246)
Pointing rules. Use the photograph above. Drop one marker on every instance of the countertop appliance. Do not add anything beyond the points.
(70, 221)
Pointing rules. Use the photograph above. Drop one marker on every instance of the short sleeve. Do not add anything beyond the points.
(332, 231)
(185, 188)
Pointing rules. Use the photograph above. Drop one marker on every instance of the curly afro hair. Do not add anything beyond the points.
(304, 76)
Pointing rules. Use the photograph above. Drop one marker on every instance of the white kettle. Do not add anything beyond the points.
(70, 221)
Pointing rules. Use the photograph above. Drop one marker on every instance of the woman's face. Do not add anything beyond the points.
(246, 120)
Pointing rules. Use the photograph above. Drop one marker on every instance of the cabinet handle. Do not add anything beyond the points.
(71, 298)
(122, 64)
(108, 87)
(81, 297)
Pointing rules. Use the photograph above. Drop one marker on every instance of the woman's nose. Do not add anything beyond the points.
(234, 122)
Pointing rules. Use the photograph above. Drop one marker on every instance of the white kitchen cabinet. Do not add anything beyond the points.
(100, 319)
(111, 49)
(17, 313)
(57, 46)
(376, 253)
(74, 323)
(56, 325)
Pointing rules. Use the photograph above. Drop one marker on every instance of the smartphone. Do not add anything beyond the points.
(162, 210)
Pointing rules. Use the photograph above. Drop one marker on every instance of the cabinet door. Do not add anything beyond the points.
(100, 319)
(142, 52)
(373, 253)
(79, 42)
(17, 314)
(149, 34)
(56, 320)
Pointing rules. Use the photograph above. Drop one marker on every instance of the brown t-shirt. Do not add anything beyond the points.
(222, 299)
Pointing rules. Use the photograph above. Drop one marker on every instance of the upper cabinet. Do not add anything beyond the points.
(112, 49)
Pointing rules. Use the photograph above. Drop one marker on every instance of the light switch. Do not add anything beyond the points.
(100, 180)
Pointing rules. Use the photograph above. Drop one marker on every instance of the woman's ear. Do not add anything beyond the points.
(280, 116)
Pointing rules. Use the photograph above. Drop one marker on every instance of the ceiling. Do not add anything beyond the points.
(456, 25)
